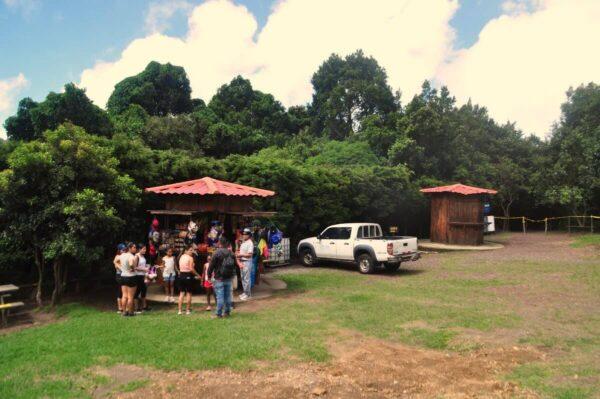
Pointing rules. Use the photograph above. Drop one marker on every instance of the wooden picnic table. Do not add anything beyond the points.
(5, 291)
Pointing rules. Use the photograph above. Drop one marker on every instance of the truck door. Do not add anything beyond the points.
(326, 245)
(344, 244)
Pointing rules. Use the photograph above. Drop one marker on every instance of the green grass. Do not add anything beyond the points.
(587, 240)
(427, 309)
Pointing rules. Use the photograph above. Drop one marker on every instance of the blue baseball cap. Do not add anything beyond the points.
(121, 247)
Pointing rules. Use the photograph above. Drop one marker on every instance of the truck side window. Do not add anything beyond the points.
(372, 231)
(330, 234)
(344, 233)
(359, 233)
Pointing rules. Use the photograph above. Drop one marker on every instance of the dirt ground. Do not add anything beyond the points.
(364, 367)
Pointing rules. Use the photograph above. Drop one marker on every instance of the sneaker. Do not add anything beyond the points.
(188, 312)
(243, 297)
(119, 311)
(216, 316)
(180, 313)
(172, 299)
(227, 314)
(138, 312)
(167, 299)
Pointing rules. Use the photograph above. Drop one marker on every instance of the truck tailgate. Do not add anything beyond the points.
(405, 245)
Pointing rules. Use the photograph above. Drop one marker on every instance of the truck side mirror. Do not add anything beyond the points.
(318, 236)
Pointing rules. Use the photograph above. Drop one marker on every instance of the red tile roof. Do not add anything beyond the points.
(458, 189)
(210, 186)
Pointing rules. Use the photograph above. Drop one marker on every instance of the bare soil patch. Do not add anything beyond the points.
(362, 368)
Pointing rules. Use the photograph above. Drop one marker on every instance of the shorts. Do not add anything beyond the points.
(186, 282)
(169, 278)
(129, 281)
(140, 292)
(119, 284)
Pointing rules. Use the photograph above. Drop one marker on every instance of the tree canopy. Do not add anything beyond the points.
(159, 89)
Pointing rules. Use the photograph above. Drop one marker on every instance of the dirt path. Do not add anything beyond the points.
(362, 368)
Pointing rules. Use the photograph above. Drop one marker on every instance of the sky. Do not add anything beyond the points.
(516, 57)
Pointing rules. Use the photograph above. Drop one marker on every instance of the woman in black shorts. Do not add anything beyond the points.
(141, 268)
(187, 277)
(128, 279)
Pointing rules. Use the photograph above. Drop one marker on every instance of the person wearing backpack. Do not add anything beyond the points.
(222, 267)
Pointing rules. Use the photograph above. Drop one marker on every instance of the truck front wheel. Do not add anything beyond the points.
(366, 264)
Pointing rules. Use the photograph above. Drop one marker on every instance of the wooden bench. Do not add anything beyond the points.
(5, 307)
(5, 292)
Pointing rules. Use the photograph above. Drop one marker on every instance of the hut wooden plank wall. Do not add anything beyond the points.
(457, 214)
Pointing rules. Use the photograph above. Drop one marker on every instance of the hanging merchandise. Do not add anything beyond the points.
(154, 233)
(192, 230)
(214, 233)
(263, 248)
(275, 236)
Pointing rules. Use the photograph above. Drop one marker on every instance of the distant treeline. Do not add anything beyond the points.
(73, 173)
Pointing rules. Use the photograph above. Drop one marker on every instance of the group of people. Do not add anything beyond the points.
(134, 272)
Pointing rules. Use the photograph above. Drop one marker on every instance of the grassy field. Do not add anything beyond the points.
(440, 303)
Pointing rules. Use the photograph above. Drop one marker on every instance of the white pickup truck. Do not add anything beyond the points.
(359, 243)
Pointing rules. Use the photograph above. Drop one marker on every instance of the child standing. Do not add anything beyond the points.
(168, 272)
(208, 284)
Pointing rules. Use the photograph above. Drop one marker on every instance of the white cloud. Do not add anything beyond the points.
(409, 38)
(523, 63)
(520, 67)
(9, 88)
(160, 12)
(26, 7)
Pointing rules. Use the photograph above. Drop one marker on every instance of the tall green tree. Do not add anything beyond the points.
(72, 105)
(20, 126)
(347, 90)
(571, 178)
(161, 89)
(63, 200)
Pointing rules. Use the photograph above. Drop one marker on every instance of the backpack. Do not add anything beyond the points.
(228, 266)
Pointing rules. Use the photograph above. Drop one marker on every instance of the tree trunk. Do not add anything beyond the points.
(506, 212)
(39, 263)
(65, 274)
(57, 268)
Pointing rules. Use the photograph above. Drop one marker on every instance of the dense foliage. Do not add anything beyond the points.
(355, 153)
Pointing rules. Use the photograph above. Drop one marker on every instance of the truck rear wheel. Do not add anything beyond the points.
(307, 257)
(366, 264)
(392, 267)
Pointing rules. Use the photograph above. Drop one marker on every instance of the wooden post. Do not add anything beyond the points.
(545, 225)
(523, 222)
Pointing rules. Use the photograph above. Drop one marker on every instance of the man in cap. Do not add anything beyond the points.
(245, 256)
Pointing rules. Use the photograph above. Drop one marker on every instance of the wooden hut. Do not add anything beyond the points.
(203, 200)
(457, 214)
